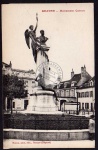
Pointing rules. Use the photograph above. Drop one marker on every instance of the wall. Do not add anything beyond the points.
(69, 106)
(87, 99)
(44, 135)
(66, 92)
(19, 104)
(30, 84)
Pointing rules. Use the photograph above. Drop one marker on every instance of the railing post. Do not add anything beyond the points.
(77, 104)
(23, 122)
(47, 125)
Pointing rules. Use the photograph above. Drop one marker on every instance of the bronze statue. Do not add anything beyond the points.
(31, 33)
(37, 43)
(42, 39)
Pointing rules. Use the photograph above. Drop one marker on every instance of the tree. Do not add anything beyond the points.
(13, 87)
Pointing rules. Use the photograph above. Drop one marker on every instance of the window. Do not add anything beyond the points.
(79, 106)
(82, 94)
(72, 84)
(91, 93)
(72, 93)
(86, 105)
(91, 106)
(65, 85)
(91, 83)
(25, 82)
(58, 86)
(67, 93)
(86, 94)
(82, 105)
(26, 93)
(25, 104)
(78, 94)
(57, 93)
(13, 104)
(62, 93)
(88, 84)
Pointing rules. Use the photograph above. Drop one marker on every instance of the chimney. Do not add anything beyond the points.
(84, 68)
(83, 71)
(72, 73)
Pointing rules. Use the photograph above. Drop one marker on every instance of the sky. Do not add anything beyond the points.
(70, 33)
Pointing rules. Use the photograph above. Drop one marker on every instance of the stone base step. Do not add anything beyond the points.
(46, 135)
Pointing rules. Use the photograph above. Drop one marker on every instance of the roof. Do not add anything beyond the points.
(76, 77)
(86, 84)
(6, 65)
(65, 81)
(85, 87)
(55, 87)
(86, 81)
(25, 71)
(93, 78)
(19, 70)
(61, 86)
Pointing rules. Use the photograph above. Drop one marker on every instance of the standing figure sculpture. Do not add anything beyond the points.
(42, 39)
(31, 33)
(37, 43)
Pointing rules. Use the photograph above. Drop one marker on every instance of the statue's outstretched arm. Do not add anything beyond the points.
(36, 23)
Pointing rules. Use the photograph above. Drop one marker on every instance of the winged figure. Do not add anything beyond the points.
(37, 43)
(27, 38)
(31, 34)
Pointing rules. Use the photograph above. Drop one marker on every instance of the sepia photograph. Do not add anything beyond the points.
(48, 75)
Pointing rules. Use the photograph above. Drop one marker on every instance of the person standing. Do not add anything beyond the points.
(92, 127)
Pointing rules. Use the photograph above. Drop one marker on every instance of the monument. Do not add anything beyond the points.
(43, 98)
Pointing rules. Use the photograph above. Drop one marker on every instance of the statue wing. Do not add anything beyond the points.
(27, 38)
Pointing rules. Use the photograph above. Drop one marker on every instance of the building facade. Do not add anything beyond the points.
(67, 90)
(86, 95)
(29, 83)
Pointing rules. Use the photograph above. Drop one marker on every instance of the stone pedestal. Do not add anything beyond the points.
(42, 101)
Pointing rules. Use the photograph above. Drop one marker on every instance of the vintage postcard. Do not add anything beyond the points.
(48, 75)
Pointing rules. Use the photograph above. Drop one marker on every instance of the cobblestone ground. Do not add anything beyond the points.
(13, 143)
